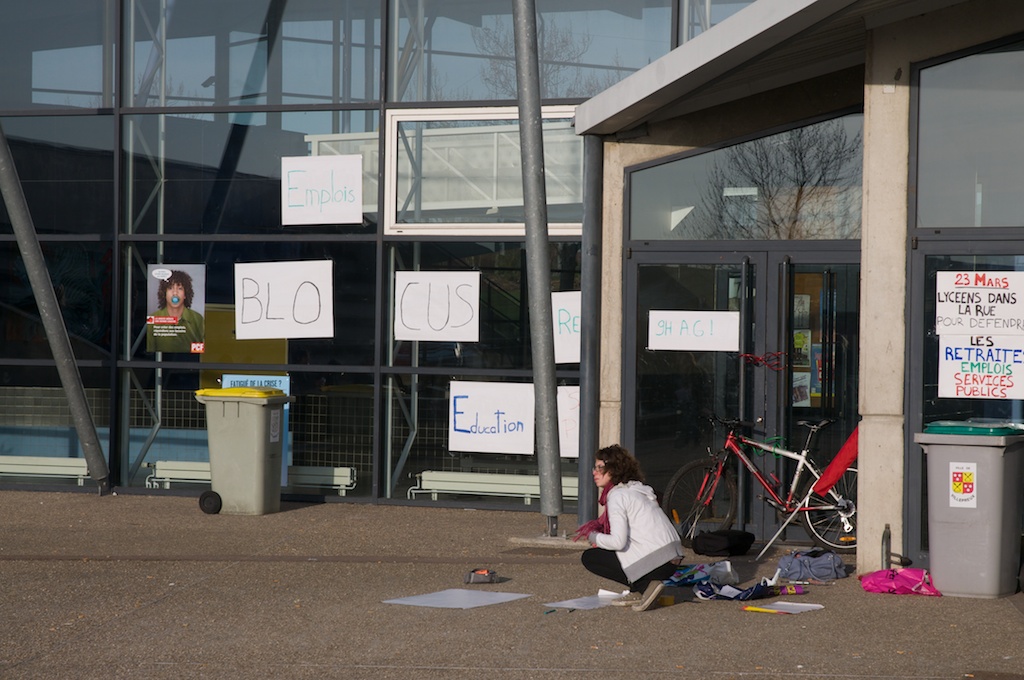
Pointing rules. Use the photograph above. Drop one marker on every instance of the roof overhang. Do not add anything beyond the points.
(768, 44)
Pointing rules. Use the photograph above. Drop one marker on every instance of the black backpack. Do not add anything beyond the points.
(723, 542)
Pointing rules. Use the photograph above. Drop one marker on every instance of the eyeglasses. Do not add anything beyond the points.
(599, 467)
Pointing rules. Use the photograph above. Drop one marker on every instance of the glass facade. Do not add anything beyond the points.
(149, 137)
(450, 51)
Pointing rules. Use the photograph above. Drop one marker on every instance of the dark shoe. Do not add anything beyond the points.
(654, 589)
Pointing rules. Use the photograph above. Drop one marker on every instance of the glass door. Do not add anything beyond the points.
(795, 360)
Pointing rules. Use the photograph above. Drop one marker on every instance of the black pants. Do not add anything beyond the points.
(605, 563)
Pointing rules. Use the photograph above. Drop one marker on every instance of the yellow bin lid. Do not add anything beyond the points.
(242, 392)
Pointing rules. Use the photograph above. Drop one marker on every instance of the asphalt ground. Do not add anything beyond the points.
(148, 586)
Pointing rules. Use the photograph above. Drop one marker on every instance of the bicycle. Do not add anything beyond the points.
(703, 494)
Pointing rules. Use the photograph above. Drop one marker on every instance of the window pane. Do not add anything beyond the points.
(66, 167)
(504, 302)
(804, 183)
(697, 17)
(470, 171)
(456, 51)
(970, 152)
(57, 53)
(224, 176)
(80, 273)
(354, 301)
(248, 52)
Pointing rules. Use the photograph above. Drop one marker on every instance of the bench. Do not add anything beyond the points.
(526, 487)
(342, 479)
(44, 466)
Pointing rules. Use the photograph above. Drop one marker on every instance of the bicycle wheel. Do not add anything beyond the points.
(686, 500)
(832, 523)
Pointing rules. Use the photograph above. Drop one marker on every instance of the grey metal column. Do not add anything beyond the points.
(590, 323)
(538, 267)
(49, 314)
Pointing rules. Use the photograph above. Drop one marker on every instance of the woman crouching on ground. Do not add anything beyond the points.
(633, 542)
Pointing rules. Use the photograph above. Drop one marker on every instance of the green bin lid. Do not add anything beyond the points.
(242, 392)
(965, 427)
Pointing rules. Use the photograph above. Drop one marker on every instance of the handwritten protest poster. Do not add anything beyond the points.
(284, 299)
(565, 313)
(443, 306)
(322, 190)
(979, 317)
(499, 418)
(698, 331)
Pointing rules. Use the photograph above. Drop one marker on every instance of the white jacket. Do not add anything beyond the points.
(641, 535)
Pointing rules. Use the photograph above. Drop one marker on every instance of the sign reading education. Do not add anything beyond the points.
(499, 418)
(979, 317)
(284, 299)
(321, 190)
(706, 331)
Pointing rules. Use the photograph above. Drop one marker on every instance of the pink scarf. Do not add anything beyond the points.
(600, 524)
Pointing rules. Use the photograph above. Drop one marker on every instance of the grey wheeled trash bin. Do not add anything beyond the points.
(244, 425)
(974, 506)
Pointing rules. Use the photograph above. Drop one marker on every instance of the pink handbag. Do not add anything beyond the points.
(899, 581)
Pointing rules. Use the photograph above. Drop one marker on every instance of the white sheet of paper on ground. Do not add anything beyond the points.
(457, 598)
(794, 607)
(729, 592)
(602, 599)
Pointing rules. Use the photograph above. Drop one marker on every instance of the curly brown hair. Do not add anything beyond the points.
(177, 276)
(620, 464)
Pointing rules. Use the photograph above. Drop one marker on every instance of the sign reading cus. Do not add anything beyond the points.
(437, 306)
(322, 190)
(694, 331)
(284, 300)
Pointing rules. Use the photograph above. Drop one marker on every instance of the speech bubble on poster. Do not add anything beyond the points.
(284, 299)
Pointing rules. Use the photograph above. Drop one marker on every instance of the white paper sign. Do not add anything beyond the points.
(491, 417)
(565, 315)
(499, 418)
(963, 485)
(441, 306)
(322, 190)
(990, 303)
(284, 300)
(708, 331)
(568, 399)
(981, 366)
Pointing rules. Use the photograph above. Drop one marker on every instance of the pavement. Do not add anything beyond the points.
(148, 586)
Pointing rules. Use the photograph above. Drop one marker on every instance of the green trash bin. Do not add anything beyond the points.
(974, 506)
(244, 425)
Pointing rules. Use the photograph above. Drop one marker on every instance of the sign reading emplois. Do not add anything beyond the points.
(321, 190)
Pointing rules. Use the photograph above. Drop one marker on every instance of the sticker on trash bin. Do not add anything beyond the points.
(275, 425)
(963, 490)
